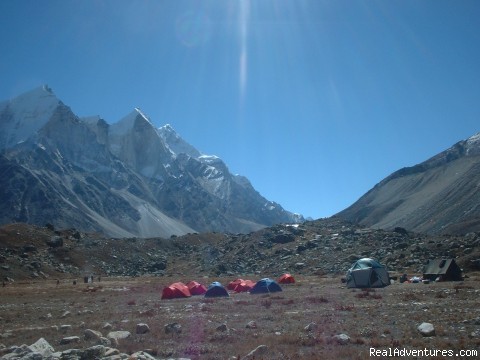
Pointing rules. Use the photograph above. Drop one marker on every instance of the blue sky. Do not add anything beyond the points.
(314, 101)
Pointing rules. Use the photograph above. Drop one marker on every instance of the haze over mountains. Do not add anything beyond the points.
(440, 195)
(125, 179)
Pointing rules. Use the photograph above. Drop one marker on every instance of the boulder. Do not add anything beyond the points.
(42, 347)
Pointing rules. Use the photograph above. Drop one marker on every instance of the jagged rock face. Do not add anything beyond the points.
(136, 142)
(126, 179)
(439, 195)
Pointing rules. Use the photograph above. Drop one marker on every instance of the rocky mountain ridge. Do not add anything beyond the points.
(127, 179)
(439, 195)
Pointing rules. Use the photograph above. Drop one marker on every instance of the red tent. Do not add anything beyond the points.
(196, 288)
(286, 279)
(231, 285)
(176, 290)
(244, 286)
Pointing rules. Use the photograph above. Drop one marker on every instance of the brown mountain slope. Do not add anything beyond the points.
(439, 195)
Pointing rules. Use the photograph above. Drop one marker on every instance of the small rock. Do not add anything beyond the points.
(311, 327)
(65, 314)
(90, 334)
(55, 241)
(342, 339)
(65, 328)
(104, 341)
(256, 353)
(94, 352)
(141, 355)
(222, 328)
(426, 329)
(107, 326)
(69, 340)
(173, 328)
(251, 325)
(70, 354)
(114, 336)
(142, 328)
(111, 352)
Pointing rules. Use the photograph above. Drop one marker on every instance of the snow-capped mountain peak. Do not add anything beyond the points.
(128, 123)
(175, 143)
(473, 144)
(25, 114)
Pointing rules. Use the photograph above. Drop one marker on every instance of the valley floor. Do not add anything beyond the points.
(302, 321)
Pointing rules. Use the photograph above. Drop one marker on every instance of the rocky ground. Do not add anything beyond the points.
(326, 246)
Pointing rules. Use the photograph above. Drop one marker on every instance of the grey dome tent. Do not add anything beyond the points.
(367, 273)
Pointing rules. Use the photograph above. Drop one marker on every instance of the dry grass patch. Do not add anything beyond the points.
(381, 318)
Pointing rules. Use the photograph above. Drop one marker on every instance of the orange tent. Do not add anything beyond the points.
(196, 288)
(234, 283)
(176, 290)
(244, 286)
(286, 279)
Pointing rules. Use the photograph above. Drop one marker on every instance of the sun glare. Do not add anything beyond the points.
(243, 61)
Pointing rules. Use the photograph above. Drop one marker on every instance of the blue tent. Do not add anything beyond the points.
(216, 290)
(265, 286)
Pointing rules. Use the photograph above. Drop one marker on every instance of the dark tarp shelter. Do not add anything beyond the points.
(442, 270)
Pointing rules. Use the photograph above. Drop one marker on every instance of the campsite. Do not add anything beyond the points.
(317, 317)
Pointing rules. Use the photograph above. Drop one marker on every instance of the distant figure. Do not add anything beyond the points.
(403, 278)
(3, 284)
(58, 282)
(85, 279)
(99, 278)
(74, 282)
(91, 279)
